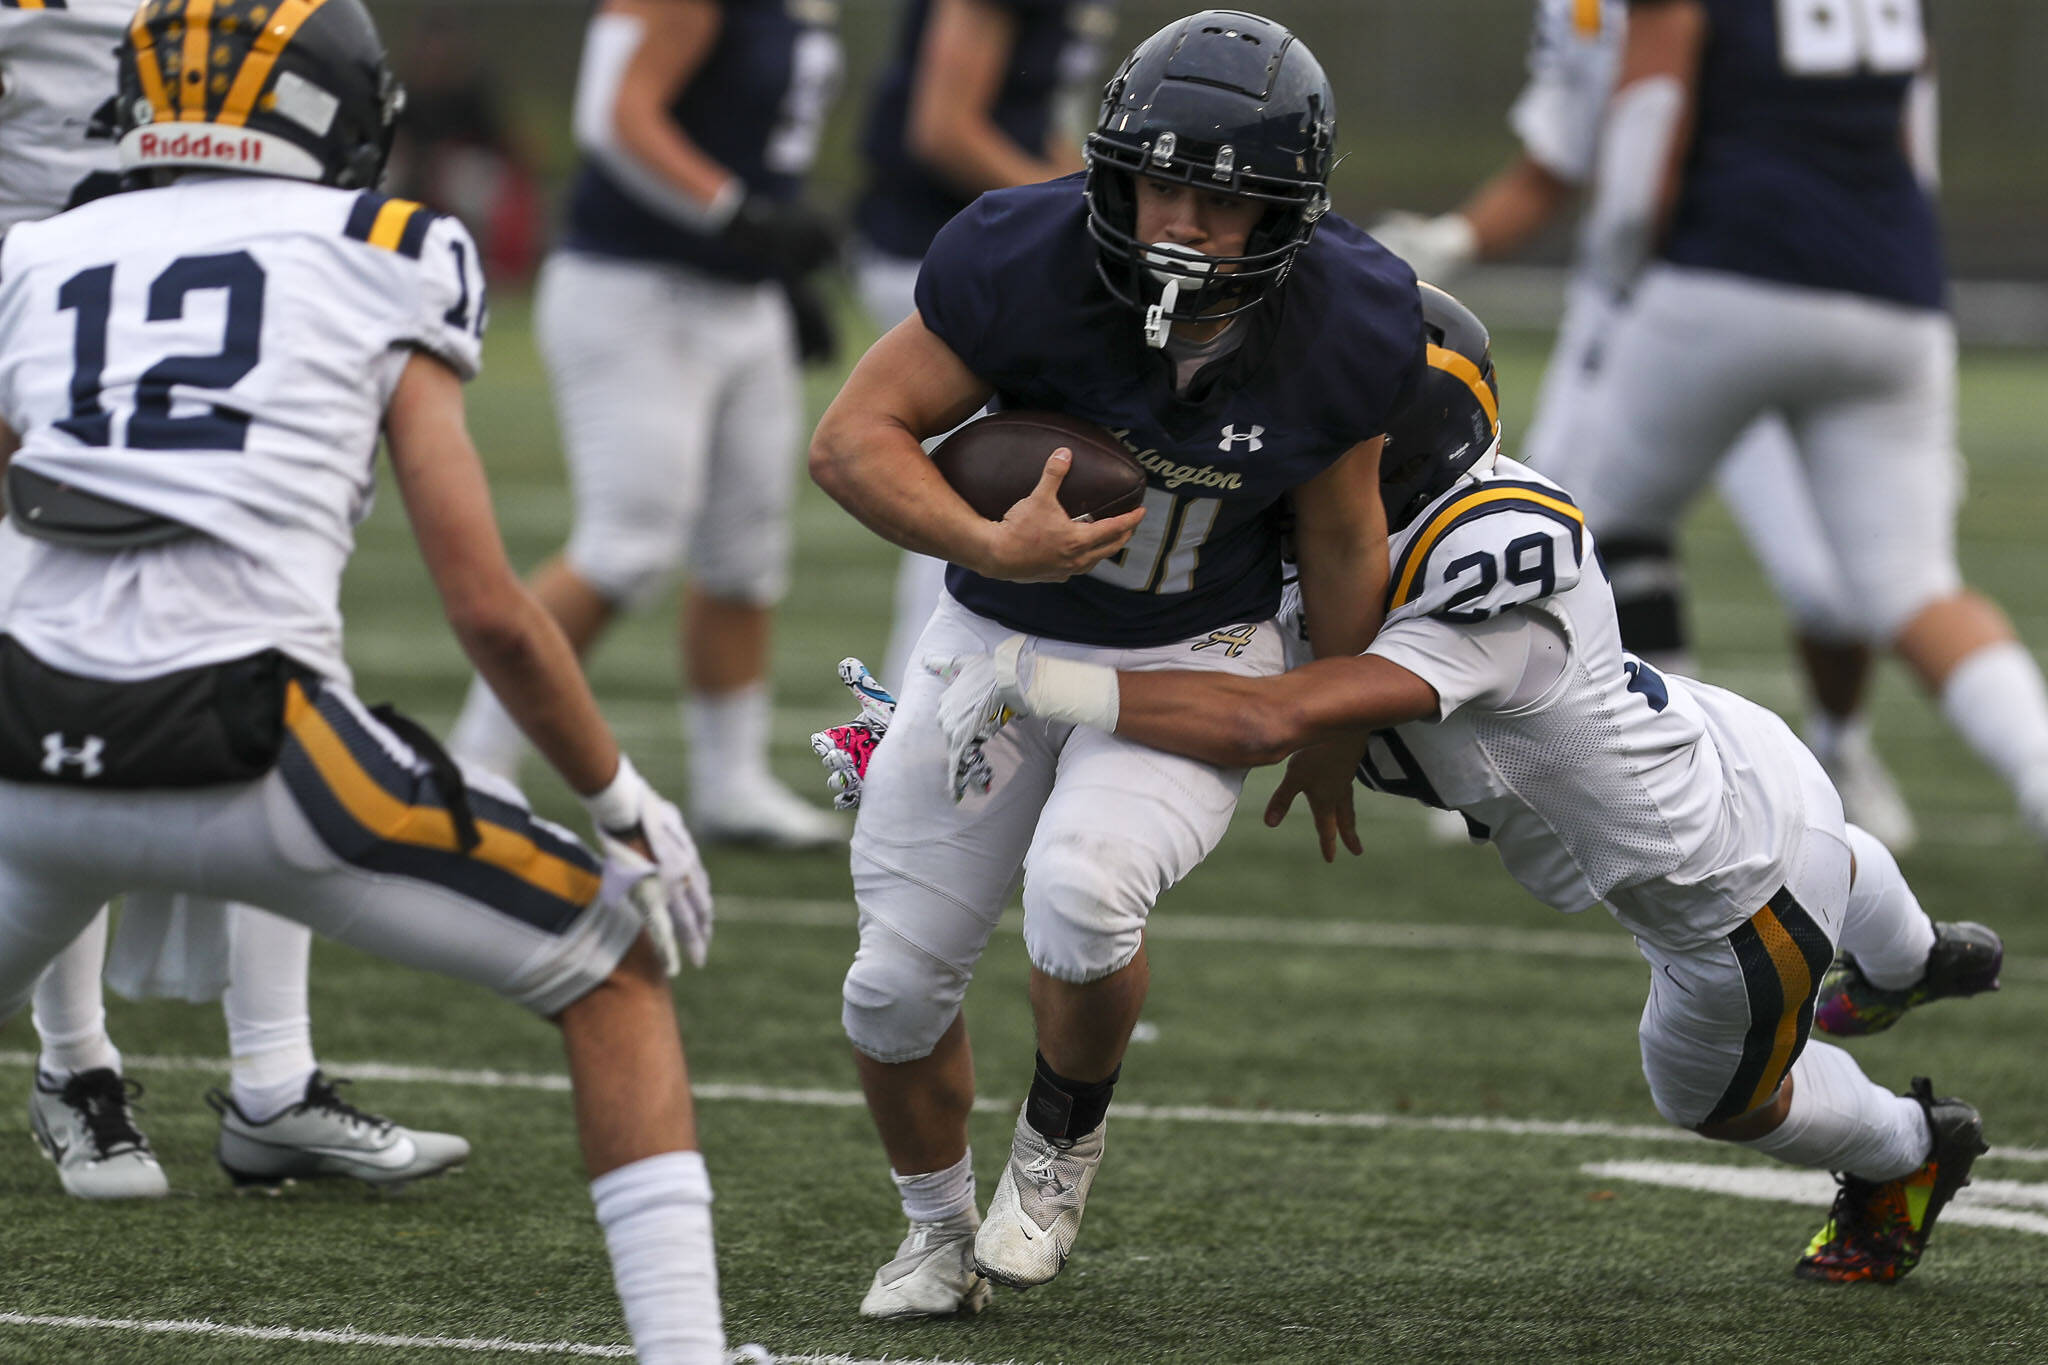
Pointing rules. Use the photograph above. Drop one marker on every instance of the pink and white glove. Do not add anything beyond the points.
(845, 750)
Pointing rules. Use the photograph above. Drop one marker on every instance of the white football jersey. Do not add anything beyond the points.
(1597, 778)
(56, 69)
(220, 352)
(1574, 56)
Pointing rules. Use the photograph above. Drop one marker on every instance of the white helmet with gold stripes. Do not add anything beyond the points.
(297, 88)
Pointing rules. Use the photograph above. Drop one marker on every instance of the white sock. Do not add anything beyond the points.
(1996, 701)
(270, 1032)
(69, 1012)
(656, 1216)
(1841, 1120)
(728, 734)
(1884, 928)
(940, 1195)
(485, 735)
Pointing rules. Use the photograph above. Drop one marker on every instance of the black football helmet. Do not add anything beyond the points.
(1452, 424)
(295, 88)
(1230, 103)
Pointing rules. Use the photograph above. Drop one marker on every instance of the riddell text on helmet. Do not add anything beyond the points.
(245, 150)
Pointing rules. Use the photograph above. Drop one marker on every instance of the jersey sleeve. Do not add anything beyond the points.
(1573, 52)
(956, 293)
(1495, 547)
(449, 315)
(1483, 663)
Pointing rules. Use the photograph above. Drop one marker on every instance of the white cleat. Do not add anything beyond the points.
(762, 811)
(324, 1135)
(932, 1275)
(1036, 1213)
(1870, 798)
(88, 1129)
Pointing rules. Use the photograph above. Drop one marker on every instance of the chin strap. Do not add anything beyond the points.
(1158, 326)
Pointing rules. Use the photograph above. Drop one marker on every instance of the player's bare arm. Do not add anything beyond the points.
(967, 51)
(673, 39)
(1509, 210)
(1242, 722)
(867, 455)
(513, 641)
(1340, 533)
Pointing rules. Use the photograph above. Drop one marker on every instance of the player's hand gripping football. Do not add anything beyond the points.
(846, 749)
(643, 837)
(1323, 773)
(1037, 541)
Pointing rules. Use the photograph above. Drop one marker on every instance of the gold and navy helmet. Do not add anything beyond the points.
(295, 88)
(1452, 423)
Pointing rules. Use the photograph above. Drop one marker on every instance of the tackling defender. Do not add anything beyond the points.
(1191, 295)
(1574, 54)
(193, 377)
(280, 1116)
(1499, 688)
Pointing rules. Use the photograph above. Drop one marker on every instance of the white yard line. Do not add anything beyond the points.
(717, 1092)
(349, 1336)
(1984, 1203)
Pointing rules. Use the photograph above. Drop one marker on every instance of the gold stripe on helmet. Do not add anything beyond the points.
(1586, 18)
(148, 68)
(192, 68)
(263, 54)
(1450, 362)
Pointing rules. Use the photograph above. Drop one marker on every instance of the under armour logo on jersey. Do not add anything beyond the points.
(87, 755)
(1231, 436)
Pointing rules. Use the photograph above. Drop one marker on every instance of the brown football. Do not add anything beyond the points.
(994, 462)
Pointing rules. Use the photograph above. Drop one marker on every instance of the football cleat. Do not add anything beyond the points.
(1036, 1212)
(932, 1275)
(1870, 799)
(759, 810)
(86, 1126)
(1964, 961)
(1877, 1229)
(324, 1135)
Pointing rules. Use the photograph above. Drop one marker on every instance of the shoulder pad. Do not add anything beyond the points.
(1490, 547)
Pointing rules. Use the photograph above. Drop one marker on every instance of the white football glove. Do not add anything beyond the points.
(846, 750)
(673, 892)
(984, 692)
(1437, 249)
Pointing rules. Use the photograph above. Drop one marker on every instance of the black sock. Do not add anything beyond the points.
(1065, 1110)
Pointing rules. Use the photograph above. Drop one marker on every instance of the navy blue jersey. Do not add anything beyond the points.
(1798, 170)
(1010, 286)
(754, 107)
(1056, 52)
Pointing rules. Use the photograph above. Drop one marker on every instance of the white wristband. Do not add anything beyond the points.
(1069, 690)
(616, 808)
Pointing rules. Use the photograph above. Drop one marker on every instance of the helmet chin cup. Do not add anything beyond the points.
(1171, 264)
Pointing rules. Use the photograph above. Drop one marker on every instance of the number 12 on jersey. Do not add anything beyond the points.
(151, 426)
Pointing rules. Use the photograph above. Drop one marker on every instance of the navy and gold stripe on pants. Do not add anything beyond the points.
(1783, 954)
(381, 815)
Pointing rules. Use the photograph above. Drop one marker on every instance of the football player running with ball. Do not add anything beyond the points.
(1499, 688)
(1192, 295)
(193, 378)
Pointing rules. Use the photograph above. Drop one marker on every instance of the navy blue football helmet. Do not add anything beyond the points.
(1452, 423)
(301, 91)
(1229, 103)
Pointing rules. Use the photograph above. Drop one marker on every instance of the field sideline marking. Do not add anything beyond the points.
(1611, 943)
(813, 1098)
(1982, 1203)
(349, 1336)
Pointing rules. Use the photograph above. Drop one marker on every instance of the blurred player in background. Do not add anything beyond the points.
(1192, 296)
(193, 377)
(280, 1116)
(668, 334)
(1574, 50)
(978, 95)
(1499, 688)
(1759, 150)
